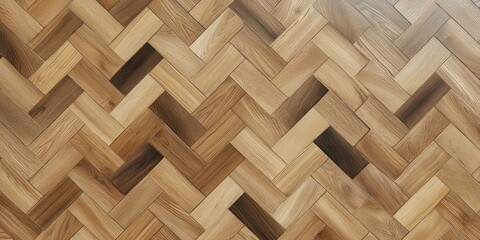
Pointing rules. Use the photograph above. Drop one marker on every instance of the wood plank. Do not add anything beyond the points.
(422, 168)
(298, 203)
(417, 71)
(341, 152)
(94, 183)
(186, 127)
(213, 74)
(286, 11)
(54, 203)
(334, 11)
(96, 85)
(134, 170)
(424, 27)
(14, 221)
(135, 69)
(461, 80)
(12, 82)
(298, 171)
(145, 226)
(178, 19)
(176, 185)
(96, 151)
(217, 169)
(385, 17)
(97, 52)
(461, 116)
(381, 121)
(55, 102)
(257, 52)
(94, 218)
(175, 218)
(62, 27)
(385, 191)
(97, 18)
(257, 19)
(218, 103)
(56, 67)
(258, 87)
(56, 135)
(429, 128)
(136, 34)
(341, 118)
(258, 153)
(18, 53)
(132, 105)
(338, 218)
(218, 136)
(56, 169)
(206, 11)
(383, 157)
(96, 118)
(463, 12)
(216, 205)
(352, 93)
(421, 203)
(459, 147)
(178, 86)
(452, 36)
(176, 52)
(422, 101)
(141, 197)
(217, 35)
(297, 139)
(288, 44)
(18, 121)
(18, 189)
(17, 19)
(382, 86)
(255, 218)
(170, 146)
(340, 50)
(299, 69)
(379, 49)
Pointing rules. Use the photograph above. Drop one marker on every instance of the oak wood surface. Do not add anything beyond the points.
(239, 119)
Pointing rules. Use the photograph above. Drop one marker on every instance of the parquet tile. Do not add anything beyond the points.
(239, 119)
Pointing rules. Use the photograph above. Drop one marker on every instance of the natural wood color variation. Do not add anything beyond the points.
(239, 119)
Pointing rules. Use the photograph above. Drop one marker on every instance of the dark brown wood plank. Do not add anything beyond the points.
(135, 168)
(55, 34)
(258, 19)
(19, 54)
(256, 219)
(186, 127)
(422, 101)
(136, 69)
(217, 169)
(177, 152)
(55, 102)
(296, 106)
(54, 203)
(341, 152)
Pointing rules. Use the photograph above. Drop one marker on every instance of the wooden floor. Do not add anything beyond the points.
(239, 119)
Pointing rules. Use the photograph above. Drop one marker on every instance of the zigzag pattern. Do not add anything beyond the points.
(239, 119)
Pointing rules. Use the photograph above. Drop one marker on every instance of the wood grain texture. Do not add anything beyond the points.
(239, 119)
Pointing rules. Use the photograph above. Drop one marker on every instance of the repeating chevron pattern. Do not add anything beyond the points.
(239, 119)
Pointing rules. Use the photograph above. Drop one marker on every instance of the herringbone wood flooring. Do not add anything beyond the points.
(239, 119)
